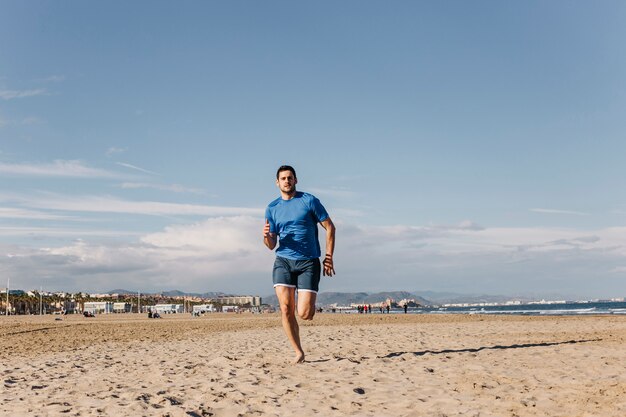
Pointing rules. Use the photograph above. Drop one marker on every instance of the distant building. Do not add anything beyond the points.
(98, 307)
(122, 307)
(203, 308)
(254, 301)
(168, 308)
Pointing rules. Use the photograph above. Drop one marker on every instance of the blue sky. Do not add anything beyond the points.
(474, 147)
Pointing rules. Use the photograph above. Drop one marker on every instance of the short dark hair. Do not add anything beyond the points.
(286, 168)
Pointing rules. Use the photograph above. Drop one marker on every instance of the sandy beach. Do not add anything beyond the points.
(357, 365)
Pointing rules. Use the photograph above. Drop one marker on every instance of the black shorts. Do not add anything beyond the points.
(301, 274)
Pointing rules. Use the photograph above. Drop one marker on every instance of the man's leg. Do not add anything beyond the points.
(287, 300)
(306, 304)
(308, 285)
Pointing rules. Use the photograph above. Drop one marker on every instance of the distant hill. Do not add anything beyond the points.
(342, 298)
(171, 293)
(397, 296)
(457, 298)
(174, 293)
(347, 298)
(212, 294)
(476, 299)
(440, 297)
(424, 298)
(177, 293)
(120, 291)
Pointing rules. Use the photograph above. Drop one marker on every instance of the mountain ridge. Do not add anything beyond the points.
(171, 293)
(422, 297)
(348, 298)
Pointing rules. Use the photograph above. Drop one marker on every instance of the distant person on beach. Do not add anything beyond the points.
(291, 221)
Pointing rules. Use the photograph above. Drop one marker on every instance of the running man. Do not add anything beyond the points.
(291, 220)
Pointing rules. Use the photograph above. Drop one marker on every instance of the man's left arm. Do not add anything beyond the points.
(329, 265)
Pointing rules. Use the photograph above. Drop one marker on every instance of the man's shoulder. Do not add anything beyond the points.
(306, 196)
(274, 203)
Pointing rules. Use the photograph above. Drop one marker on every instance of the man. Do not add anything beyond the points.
(292, 221)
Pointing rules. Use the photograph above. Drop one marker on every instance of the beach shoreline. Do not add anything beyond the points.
(361, 365)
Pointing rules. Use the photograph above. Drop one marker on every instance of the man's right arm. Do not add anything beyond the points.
(269, 238)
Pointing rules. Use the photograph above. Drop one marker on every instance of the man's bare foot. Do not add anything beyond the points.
(299, 358)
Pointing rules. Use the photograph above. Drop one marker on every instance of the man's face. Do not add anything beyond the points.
(286, 182)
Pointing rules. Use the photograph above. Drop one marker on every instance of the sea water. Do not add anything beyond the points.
(568, 308)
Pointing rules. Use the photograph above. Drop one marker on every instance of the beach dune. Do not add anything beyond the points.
(357, 365)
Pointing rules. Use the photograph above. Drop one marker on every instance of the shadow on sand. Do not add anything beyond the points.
(497, 347)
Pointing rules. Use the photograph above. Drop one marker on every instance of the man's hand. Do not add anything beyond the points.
(269, 238)
(266, 229)
(329, 266)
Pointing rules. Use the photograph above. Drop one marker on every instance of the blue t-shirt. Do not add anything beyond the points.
(295, 222)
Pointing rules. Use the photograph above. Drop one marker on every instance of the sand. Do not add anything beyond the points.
(357, 365)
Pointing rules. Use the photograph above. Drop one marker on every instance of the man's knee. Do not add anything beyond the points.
(307, 314)
(306, 305)
(287, 310)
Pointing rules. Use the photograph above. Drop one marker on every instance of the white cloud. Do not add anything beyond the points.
(17, 213)
(164, 187)
(220, 236)
(13, 94)
(52, 79)
(551, 211)
(227, 254)
(221, 254)
(58, 168)
(136, 168)
(107, 204)
(113, 150)
(43, 232)
(500, 260)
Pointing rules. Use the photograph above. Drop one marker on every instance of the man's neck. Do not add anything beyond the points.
(288, 196)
